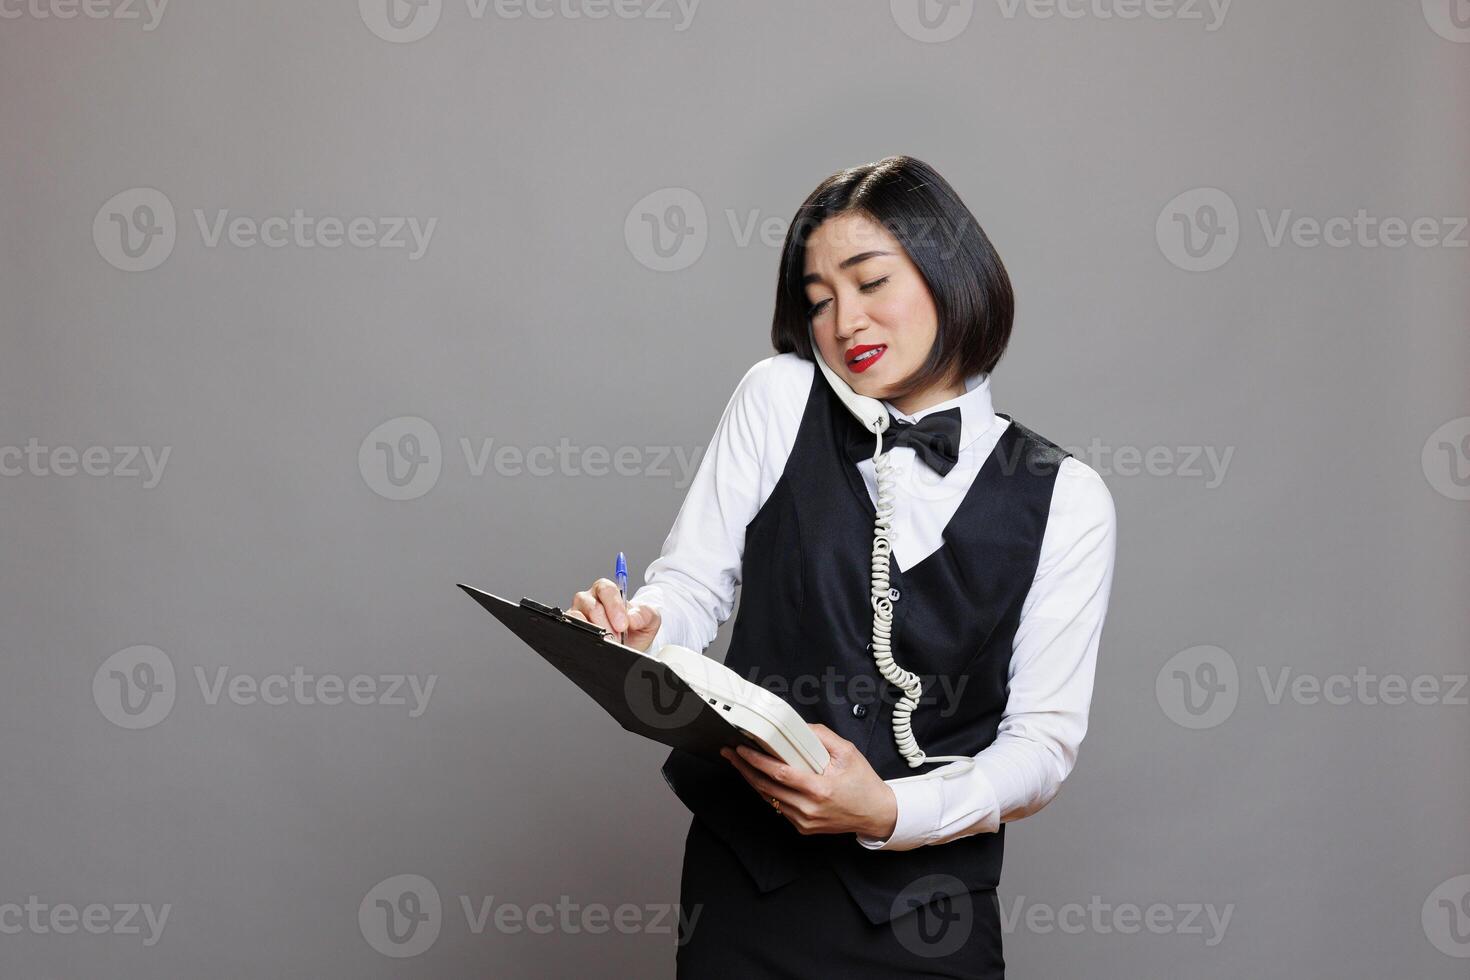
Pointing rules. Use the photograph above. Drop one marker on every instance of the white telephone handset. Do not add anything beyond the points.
(873, 414)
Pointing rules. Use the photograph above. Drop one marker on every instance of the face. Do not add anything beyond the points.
(864, 293)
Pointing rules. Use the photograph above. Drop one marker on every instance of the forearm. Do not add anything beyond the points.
(1012, 778)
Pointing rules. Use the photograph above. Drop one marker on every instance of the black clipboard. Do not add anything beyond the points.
(644, 695)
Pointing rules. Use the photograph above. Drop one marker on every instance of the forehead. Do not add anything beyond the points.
(847, 234)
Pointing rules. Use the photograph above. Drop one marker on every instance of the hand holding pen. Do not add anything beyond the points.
(605, 604)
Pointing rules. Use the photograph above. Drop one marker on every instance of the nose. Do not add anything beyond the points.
(850, 319)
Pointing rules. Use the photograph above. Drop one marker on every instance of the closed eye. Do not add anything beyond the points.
(866, 287)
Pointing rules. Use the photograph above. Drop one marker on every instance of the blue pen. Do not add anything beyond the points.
(620, 572)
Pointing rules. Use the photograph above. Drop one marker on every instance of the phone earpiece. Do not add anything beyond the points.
(869, 411)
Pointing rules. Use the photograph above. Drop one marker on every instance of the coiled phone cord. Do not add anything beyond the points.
(882, 600)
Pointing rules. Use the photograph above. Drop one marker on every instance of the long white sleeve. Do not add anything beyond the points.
(1052, 667)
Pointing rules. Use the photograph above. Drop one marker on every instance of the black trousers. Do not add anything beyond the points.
(811, 928)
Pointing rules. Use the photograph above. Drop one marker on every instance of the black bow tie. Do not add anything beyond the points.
(934, 438)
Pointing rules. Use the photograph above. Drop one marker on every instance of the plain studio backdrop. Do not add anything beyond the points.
(312, 310)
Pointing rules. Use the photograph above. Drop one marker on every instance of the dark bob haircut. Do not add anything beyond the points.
(971, 291)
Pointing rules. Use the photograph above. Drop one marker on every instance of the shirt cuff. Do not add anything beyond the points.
(920, 802)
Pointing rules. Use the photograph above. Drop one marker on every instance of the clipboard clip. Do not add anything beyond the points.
(556, 613)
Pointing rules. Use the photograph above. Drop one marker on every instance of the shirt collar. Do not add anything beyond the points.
(976, 412)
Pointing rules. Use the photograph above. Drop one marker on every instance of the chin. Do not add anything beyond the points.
(867, 387)
(872, 382)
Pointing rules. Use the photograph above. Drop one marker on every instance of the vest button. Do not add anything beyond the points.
(859, 710)
(893, 595)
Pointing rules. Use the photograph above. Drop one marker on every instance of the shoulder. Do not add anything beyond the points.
(1030, 452)
(775, 386)
(779, 371)
(1081, 520)
(1084, 493)
(1080, 535)
(1079, 495)
(765, 413)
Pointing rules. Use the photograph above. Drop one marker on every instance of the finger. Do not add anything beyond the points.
(643, 618)
(764, 786)
(587, 604)
(607, 593)
(774, 769)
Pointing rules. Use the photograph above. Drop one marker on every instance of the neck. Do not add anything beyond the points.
(920, 400)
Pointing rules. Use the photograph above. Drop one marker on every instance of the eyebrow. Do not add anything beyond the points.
(846, 263)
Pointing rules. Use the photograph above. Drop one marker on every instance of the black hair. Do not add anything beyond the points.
(971, 291)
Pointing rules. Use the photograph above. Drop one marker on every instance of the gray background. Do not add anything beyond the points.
(1331, 545)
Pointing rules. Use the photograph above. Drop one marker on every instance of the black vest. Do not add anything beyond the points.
(804, 629)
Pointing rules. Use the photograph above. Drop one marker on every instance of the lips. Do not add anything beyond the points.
(862, 365)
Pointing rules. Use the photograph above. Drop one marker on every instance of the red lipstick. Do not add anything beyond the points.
(866, 362)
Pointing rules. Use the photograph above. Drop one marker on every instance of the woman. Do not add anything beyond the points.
(935, 586)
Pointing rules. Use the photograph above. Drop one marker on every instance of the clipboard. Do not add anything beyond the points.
(650, 696)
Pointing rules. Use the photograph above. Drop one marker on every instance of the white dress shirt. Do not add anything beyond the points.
(1054, 653)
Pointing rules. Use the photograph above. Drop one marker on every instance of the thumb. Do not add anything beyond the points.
(830, 740)
(642, 617)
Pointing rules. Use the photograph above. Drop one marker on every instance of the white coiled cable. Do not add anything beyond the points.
(882, 599)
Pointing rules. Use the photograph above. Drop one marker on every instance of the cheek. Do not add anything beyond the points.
(906, 312)
(826, 342)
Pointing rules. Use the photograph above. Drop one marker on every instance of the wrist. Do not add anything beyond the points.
(885, 819)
